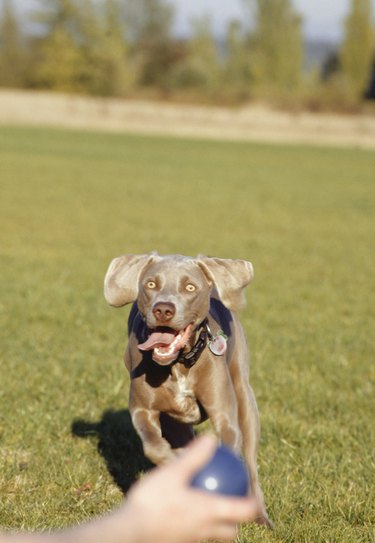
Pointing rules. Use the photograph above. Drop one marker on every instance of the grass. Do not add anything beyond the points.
(70, 201)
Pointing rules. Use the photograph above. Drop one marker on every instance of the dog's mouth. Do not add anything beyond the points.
(166, 343)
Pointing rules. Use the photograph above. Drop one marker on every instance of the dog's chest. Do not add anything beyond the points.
(183, 403)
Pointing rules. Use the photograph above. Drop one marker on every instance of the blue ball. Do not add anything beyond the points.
(225, 474)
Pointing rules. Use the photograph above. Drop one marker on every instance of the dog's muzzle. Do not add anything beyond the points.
(166, 343)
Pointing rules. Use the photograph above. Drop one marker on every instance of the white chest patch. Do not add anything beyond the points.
(185, 406)
(183, 389)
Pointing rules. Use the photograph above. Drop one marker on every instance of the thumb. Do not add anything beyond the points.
(196, 455)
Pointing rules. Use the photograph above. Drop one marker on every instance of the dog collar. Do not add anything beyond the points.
(191, 358)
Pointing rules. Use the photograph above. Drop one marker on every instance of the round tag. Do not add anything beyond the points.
(218, 345)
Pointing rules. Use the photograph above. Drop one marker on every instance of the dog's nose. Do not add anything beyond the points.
(164, 311)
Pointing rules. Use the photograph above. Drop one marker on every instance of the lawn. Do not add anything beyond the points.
(71, 201)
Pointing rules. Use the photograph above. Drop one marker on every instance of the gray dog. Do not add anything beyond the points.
(187, 353)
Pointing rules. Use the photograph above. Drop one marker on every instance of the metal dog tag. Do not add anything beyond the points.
(218, 344)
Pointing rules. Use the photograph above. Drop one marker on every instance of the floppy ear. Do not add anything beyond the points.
(230, 277)
(121, 279)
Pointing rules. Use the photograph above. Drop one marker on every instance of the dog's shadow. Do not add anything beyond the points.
(118, 444)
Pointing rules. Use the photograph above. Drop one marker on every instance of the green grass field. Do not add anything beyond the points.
(71, 201)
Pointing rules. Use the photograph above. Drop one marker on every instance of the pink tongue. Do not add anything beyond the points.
(155, 339)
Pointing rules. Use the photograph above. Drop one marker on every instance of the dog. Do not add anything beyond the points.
(187, 354)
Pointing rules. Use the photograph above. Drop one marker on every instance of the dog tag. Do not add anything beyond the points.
(218, 344)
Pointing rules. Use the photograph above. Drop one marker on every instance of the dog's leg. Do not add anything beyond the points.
(155, 447)
(248, 418)
(223, 419)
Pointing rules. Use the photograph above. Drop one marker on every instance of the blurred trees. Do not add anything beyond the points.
(150, 32)
(237, 73)
(277, 46)
(199, 69)
(12, 52)
(107, 68)
(127, 47)
(357, 52)
(59, 55)
(82, 48)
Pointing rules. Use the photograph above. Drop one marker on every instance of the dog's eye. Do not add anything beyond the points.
(190, 287)
(151, 284)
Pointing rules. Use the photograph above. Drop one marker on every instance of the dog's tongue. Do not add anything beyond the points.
(157, 339)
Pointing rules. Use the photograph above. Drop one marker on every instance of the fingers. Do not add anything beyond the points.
(232, 510)
(196, 455)
(235, 510)
(227, 514)
(222, 532)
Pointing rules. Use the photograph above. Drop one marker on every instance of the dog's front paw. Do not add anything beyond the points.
(263, 520)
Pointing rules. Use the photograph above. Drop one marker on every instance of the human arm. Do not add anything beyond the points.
(162, 508)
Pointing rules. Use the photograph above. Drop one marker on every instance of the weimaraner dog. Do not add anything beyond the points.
(187, 353)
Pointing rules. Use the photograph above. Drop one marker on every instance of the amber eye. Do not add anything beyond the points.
(190, 288)
(151, 284)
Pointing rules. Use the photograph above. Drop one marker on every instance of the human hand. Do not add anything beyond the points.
(163, 508)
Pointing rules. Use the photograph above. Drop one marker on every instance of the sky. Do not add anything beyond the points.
(323, 19)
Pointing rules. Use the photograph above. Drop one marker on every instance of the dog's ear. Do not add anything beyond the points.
(229, 277)
(122, 277)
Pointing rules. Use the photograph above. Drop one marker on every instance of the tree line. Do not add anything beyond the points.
(126, 48)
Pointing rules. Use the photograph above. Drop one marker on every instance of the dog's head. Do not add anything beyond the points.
(173, 294)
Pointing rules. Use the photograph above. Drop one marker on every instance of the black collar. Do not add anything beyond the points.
(191, 358)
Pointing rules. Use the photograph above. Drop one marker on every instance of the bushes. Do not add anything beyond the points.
(119, 48)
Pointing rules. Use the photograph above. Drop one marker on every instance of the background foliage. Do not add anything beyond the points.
(128, 48)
